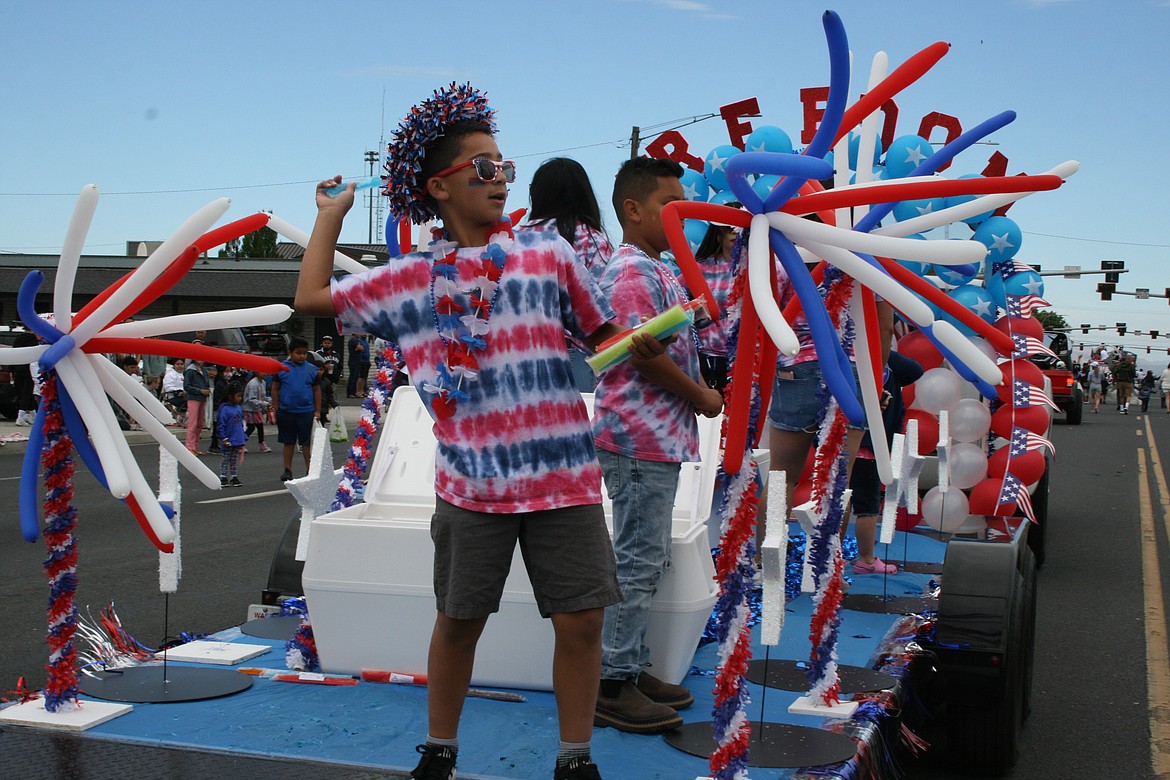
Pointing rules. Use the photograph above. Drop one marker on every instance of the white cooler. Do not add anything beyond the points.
(367, 576)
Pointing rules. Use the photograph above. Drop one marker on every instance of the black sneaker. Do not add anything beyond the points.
(579, 768)
(437, 763)
(236, 482)
(286, 476)
(223, 482)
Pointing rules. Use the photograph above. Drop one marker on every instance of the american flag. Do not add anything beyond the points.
(1024, 305)
(1026, 346)
(1023, 440)
(1013, 491)
(1009, 268)
(1025, 395)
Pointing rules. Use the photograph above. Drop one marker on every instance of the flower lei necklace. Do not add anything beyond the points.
(463, 334)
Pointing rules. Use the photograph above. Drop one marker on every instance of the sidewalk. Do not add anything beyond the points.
(10, 444)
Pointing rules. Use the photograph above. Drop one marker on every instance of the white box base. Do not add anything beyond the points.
(210, 652)
(805, 705)
(88, 715)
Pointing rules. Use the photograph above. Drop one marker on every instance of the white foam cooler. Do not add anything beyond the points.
(368, 573)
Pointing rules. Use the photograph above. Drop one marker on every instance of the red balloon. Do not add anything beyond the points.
(1029, 467)
(927, 430)
(1022, 369)
(916, 346)
(801, 493)
(1034, 418)
(908, 395)
(985, 496)
(1028, 326)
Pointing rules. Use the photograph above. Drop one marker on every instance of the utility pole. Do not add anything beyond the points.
(634, 141)
(372, 158)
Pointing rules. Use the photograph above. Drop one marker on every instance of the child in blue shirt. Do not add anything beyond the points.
(232, 438)
(296, 396)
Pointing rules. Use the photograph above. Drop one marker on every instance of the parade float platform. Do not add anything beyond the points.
(370, 729)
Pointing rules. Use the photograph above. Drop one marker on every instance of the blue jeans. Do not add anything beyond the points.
(643, 500)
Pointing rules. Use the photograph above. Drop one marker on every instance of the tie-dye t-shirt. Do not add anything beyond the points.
(717, 272)
(522, 441)
(592, 246)
(631, 415)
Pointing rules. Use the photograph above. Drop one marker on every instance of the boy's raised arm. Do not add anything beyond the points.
(313, 295)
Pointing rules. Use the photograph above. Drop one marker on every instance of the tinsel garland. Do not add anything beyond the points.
(301, 649)
(388, 362)
(61, 561)
(735, 569)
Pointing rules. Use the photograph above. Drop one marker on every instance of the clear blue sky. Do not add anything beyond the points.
(166, 106)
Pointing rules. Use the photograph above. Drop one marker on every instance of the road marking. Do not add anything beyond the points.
(244, 497)
(1157, 657)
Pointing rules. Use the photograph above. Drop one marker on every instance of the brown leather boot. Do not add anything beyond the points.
(674, 696)
(632, 711)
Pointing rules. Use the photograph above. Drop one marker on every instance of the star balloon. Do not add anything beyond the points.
(72, 358)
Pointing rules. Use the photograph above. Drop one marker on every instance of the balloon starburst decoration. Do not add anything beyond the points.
(848, 244)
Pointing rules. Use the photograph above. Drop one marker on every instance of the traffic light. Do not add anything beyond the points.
(1106, 289)
(1153, 334)
(1112, 265)
(1121, 329)
(1085, 328)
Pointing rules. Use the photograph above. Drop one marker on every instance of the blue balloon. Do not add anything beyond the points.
(28, 507)
(855, 146)
(905, 154)
(723, 198)
(694, 229)
(694, 185)
(1024, 283)
(977, 300)
(955, 200)
(956, 275)
(908, 209)
(768, 139)
(922, 269)
(993, 283)
(715, 165)
(764, 185)
(392, 245)
(1001, 236)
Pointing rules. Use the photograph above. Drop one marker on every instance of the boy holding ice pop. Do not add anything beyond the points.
(644, 429)
(480, 319)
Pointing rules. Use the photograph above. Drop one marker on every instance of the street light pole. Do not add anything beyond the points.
(372, 159)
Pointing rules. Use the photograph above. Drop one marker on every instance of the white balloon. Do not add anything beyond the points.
(938, 389)
(970, 419)
(270, 314)
(951, 252)
(79, 223)
(950, 337)
(945, 511)
(760, 287)
(968, 465)
(341, 261)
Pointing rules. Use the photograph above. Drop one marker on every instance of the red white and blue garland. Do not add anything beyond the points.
(61, 561)
(735, 570)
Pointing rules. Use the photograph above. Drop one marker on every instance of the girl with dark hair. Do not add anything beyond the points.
(562, 199)
(714, 258)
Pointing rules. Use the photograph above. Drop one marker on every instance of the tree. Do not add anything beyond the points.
(258, 243)
(1050, 320)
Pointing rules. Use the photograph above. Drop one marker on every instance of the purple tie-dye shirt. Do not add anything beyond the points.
(522, 441)
(631, 415)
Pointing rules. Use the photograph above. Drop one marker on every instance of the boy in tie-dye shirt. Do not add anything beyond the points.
(481, 328)
(644, 428)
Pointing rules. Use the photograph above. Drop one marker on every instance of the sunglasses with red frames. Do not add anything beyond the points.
(485, 169)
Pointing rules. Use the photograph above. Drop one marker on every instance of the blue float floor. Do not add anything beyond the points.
(375, 725)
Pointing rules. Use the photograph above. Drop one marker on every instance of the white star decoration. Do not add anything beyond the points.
(1000, 243)
(927, 209)
(716, 162)
(1033, 287)
(690, 191)
(317, 490)
(982, 308)
(914, 155)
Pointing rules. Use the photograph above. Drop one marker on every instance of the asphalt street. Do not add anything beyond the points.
(1099, 598)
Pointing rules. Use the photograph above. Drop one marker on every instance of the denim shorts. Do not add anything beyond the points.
(294, 427)
(866, 486)
(566, 551)
(795, 405)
